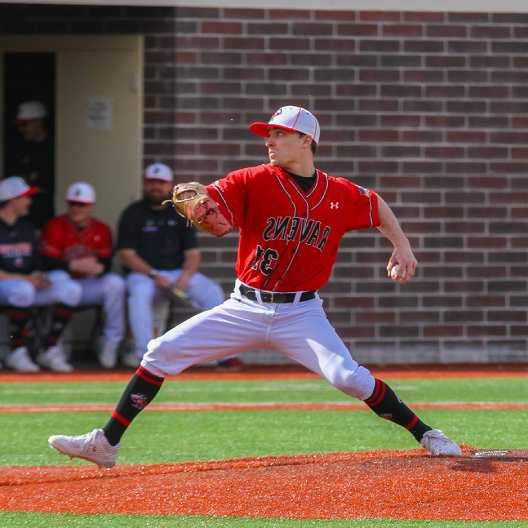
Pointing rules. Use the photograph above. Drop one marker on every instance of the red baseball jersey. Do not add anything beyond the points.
(62, 240)
(289, 238)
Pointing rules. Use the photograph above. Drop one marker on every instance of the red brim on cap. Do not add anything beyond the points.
(83, 202)
(31, 191)
(262, 129)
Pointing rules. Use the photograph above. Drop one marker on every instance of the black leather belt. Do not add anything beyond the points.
(275, 297)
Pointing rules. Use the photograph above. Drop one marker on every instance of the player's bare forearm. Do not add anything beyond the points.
(193, 257)
(37, 278)
(190, 266)
(4, 275)
(86, 266)
(389, 226)
(402, 255)
(131, 260)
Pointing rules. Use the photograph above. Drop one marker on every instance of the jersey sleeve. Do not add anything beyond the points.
(51, 240)
(127, 232)
(362, 207)
(230, 195)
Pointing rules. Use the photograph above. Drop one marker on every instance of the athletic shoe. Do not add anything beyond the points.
(438, 444)
(93, 447)
(232, 364)
(107, 355)
(131, 360)
(20, 361)
(54, 359)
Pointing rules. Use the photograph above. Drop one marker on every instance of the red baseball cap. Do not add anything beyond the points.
(292, 119)
(14, 187)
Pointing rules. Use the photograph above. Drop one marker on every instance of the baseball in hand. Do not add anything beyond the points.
(395, 273)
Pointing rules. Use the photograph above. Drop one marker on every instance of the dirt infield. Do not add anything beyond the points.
(285, 372)
(379, 484)
(485, 486)
(196, 407)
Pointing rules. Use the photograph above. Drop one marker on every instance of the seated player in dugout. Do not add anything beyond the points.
(291, 217)
(161, 258)
(81, 245)
(23, 284)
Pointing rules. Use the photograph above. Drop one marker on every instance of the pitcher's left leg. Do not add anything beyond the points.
(304, 334)
(227, 328)
(309, 338)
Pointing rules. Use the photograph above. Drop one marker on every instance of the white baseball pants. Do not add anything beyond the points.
(108, 291)
(298, 330)
(203, 293)
(22, 294)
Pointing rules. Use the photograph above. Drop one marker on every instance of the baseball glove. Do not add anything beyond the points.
(192, 201)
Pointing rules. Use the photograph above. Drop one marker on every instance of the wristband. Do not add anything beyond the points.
(153, 273)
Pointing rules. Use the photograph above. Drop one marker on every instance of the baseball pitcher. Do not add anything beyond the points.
(291, 217)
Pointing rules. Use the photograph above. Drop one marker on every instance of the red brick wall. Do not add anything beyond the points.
(429, 109)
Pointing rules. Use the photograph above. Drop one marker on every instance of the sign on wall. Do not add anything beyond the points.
(99, 113)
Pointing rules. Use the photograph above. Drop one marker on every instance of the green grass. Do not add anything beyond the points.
(159, 437)
(177, 437)
(448, 390)
(46, 520)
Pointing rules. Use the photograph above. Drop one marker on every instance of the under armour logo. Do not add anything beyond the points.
(334, 205)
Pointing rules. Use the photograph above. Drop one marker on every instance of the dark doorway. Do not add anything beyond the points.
(30, 78)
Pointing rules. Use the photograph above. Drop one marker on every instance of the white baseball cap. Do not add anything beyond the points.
(80, 192)
(31, 110)
(158, 171)
(14, 187)
(292, 119)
